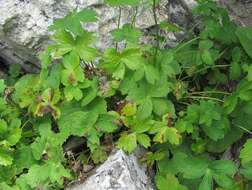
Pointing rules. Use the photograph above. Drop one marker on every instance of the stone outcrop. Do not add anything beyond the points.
(24, 23)
(240, 10)
(119, 172)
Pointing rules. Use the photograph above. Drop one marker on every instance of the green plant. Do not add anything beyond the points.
(186, 105)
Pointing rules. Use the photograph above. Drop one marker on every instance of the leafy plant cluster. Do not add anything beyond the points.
(187, 105)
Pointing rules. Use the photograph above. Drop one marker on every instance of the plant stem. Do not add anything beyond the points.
(157, 29)
(210, 92)
(203, 69)
(133, 22)
(119, 22)
(185, 44)
(204, 97)
(243, 128)
(25, 123)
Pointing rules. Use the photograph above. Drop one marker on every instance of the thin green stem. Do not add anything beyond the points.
(210, 92)
(25, 123)
(119, 22)
(185, 44)
(133, 22)
(203, 97)
(157, 29)
(243, 128)
(205, 68)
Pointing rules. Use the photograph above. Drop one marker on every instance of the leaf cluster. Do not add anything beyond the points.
(186, 105)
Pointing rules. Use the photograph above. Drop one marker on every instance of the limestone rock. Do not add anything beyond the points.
(240, 10)
(24, 25)
(180, 11)
(119, 172)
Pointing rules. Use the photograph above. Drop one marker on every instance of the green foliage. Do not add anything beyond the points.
(245, 36)
(246, 152)
(187, 105)
(128, 33)
(122, 2)
(72, 22)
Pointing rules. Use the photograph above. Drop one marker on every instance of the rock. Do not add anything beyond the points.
(119, 172)
(24, 25)
(180, 12)
(240, 10)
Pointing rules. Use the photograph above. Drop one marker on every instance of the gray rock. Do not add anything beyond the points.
(24, 25)
(119, 172)
(240, 10)
(180, 11)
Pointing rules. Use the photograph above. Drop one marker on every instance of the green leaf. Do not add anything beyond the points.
(3, 126)
(119, 72)
(129, 57)
(71, 60)
(128, 33)
(162, 106)
(25, 90)
(128, 142)
(99, 155)
(223, 167)
(246, 171)
(132, 58)
(24, 158)
(245, 36)
(129, 109)
(195, 167)
(38, 147)
(207, 182)
(205, 44)
(165, 133)
(93, 137)
(5, 186)
(72, 77)
(81, 45)
(2, 86)
(72, 92)
(144, 140)
(224, 181)
(151, 73)
(7, 174)
(217, 130)
(209, 111)
(117, 3)
(106, 123)
(230, 103)
(97, 106)
(207, 57)
(14, 136)
(248, 69)
(168, 64)
(173, 165)
(74, 124)
(246, 152)
(89, 95)
(5, 157)
(72, 22)
(235, 71)
(222, 144)
(142, 126)
(168, 182)
(49, 172)
(145, 109)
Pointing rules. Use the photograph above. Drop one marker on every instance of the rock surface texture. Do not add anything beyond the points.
(240, 10)
(24, 23)
(119, 172)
